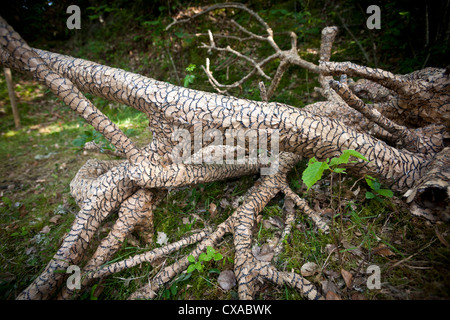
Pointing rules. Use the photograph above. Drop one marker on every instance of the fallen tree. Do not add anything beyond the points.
(407, 153)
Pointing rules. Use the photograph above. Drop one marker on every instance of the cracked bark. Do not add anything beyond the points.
(135, 185)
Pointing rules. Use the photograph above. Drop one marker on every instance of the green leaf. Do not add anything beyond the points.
(79, 142)
(199, 266)
(191, 259)
(191, 268)
(92, 297)
(179, 34)
(386, 192)
(210, 251)
(173, 289)
(370, 181)
(345, 156)
(151, 23)
(313, 173)
(7, 201)
(214, 270)
(130, 132)
(166, 294)
(339, 170)
(188, 80)
(218, 257)
(369, 195)
(204, 257)
(191, 68)
(376, 186)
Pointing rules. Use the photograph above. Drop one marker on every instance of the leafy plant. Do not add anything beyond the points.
(7, 201)
(375, 185)
(203, 257)
(189, 78)
(173, 289)
(22, 233)
(315, 169)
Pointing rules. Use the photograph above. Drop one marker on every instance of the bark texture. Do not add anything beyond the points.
(402, 135)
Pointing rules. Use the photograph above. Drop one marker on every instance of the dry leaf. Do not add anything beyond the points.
(356, 192)
(224, 203)
(348, 278)
(55, 219)
(332, 296)
(273, 223)
(162, 238)
(330, 248)
(45, 229)
(226, 279)
(421, 212)
(185, 220)
(441, 238)
(383, 250)
(328, 212)
(328, 285)
(358, 296)
(30, 250)
(212, 210)
(236, 201)
(7, 277)
(309, 269)
(264, 253)
(352, 249)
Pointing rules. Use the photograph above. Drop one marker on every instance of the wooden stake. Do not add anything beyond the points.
(12, 97)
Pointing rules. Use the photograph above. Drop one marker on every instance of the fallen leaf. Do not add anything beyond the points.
(356, 192)
(358, 296)
(226, 279)
(309, 269)
(212, 210)
(132, 241)
(352, 249)
(383, 250)
(161, 238)
(224, 203)
(330, 248)
(7, 277)
(30, 250)
(348, 278)
(332, 296)
(97, 291)
(186, 220)
(236, 201)
(331, 274)
(264, 253)
(258, 218)
(273, 223)
(441, 238)
(45, 229)
(421, 212)
(55, 219)
(328, 212)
